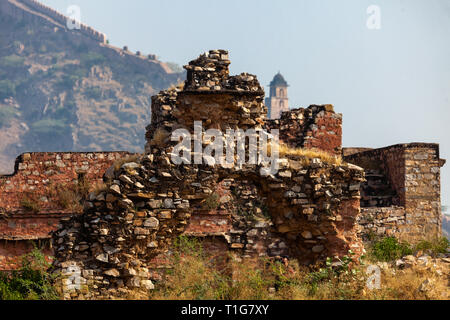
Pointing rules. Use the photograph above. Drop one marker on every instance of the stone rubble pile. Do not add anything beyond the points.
(210, 73)
(437, 271)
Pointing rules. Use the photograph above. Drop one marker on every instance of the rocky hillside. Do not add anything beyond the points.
(63, 91)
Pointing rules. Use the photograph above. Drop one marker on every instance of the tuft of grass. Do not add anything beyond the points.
(306, 155)
(71, 196)
(99, 187)
(120, 162)
(30, 203)
(211, 202)
(179, 86)
(309, 154)
(390, 248)
(160, 138)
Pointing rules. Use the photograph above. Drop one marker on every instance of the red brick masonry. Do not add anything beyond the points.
(34, 180)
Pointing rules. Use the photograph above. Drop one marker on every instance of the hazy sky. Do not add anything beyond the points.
(391, 84)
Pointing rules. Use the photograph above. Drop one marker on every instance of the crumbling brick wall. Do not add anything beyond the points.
(20, 235)
(12, 251)
(37, 174)
(413, 210)
(316, 127)
(30, 208)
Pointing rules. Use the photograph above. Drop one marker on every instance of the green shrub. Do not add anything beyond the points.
(82, 48)
(7, 89)
(212, 202)
(187, 245)
(67, 82)
(388, 249)
(49, 126)
(30, 282)
(6, 113)
(12, 61)
(90, 59)
(93, 93)
(433, 247)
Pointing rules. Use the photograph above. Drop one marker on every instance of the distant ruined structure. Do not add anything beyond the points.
(278, 101)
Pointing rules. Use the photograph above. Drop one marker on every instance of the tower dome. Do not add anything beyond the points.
(278, 81)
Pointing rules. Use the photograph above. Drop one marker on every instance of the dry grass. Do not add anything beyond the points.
(179, 86)
(196, 276)
(30, 203)
(99, 187)
(120, 162)
(306, 155)
(71, 196)
(68, 198)
(160, 138)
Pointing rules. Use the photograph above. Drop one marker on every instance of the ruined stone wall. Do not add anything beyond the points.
(401, 196)
(312, 205)
(422, 191)
(316, 127)
(382, 222)
(385, 172)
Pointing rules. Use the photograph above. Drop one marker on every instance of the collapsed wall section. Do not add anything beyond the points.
(312, 205)
(316, 127)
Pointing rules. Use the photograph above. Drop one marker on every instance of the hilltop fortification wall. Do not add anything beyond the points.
(35, 11)
(310, 209)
